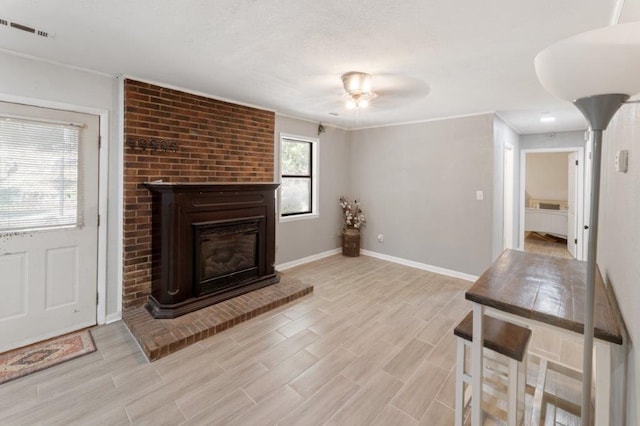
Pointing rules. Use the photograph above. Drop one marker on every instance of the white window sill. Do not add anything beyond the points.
(284, 219)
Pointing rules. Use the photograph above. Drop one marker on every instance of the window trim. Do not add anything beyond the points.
(315, 177)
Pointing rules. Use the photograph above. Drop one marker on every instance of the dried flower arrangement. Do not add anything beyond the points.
(352, 214)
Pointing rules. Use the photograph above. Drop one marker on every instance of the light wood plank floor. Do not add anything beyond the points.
(533, 244)
(372, 345)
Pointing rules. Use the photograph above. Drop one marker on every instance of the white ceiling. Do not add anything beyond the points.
(429, 58)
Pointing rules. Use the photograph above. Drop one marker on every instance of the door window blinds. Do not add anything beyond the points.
(40, 175)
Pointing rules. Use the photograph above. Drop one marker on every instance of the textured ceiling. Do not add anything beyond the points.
(429, 58)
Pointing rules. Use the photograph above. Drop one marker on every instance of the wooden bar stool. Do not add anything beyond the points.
(505, 363)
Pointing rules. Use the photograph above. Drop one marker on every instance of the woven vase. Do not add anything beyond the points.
(351, 242)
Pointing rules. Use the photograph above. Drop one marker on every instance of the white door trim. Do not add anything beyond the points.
(101, 308)
(581, 254)
(120, 200)
(507, 222)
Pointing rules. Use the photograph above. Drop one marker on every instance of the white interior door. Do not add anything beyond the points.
(48, 222)
(572, 222)
(585, 232)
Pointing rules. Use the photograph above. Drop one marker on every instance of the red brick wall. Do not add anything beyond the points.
(216, 141)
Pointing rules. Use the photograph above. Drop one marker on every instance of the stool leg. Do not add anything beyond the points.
(512, 393)
(476, 365)
(460, 383)
(522, 383)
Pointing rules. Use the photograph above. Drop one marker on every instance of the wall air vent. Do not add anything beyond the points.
(25, 28)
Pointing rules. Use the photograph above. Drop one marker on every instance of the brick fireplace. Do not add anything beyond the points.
(184, 139)
(176, 136)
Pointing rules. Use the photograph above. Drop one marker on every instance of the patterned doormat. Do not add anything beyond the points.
(29, 359)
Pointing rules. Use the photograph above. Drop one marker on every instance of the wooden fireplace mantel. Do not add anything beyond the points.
(178, 211)
(208, 186)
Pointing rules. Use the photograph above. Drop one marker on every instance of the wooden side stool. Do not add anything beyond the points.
(507, 344)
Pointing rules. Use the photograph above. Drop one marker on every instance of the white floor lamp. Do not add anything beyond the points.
(597, 71)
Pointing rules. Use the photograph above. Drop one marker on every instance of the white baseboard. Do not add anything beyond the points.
(318, 256)
(399, 260)
(423, 266)
(116, 316)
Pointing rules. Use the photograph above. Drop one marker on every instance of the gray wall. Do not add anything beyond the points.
(502, 135)
(619, 241)
(307, 237)
(417, 184)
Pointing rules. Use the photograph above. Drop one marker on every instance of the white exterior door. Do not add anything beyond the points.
(572, 222)
(48, 223)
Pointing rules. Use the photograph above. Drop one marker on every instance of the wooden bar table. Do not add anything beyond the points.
(533, 289)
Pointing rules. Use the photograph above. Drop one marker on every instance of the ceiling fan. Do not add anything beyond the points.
(394, 90)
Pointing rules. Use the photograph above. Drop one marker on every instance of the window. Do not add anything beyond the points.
(38, 174)
(299, 183)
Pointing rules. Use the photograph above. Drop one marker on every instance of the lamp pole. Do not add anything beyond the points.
(598, 110)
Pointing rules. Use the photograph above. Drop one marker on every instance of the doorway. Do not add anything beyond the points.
(551, 201)
(49, 223)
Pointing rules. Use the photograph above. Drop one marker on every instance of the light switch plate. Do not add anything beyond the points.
(479, 195)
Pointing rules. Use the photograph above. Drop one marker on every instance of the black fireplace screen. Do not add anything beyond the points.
(226, 254)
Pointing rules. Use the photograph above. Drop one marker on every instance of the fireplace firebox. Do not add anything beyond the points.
(210, 242)
(226, 253)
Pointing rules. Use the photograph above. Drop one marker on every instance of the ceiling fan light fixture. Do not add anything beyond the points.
(357, 86)
(356, 82)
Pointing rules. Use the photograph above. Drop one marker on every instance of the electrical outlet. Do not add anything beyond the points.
(479, 195)
(622, 161)
(380, 238)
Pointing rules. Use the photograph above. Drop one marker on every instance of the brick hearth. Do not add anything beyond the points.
(161, 337)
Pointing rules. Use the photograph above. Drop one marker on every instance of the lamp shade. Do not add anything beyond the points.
(598, 62)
